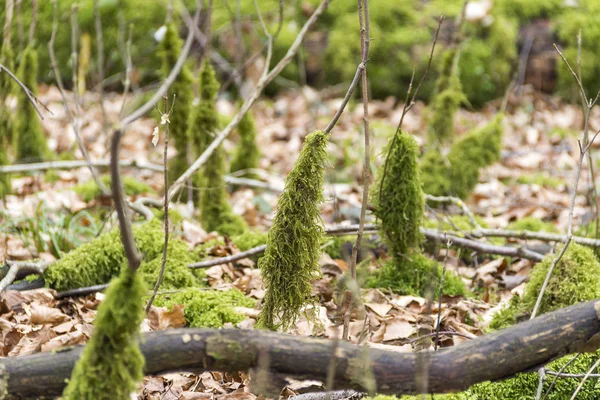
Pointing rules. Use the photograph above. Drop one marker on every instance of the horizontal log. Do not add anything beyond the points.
(499, 355)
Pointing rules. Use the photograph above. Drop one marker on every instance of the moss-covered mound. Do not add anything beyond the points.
(532, 224)
(574, 280)
(98, 261)
(208, 308)
(247, 154)
(112, 363)
(472, 152)
(398, 197)
(415, 276)
(133, 187)
(249, 239)
(291, 260)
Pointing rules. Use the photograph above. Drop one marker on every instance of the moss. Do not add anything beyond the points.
(399, 202)
(249, 239)
(247, 154)
(478, 149)
(215, 210)
(541, 179)
(28, 136)
(525, 10)
(98, 261)
(51, 176)
(532, 224)
(112, 363)
(415, 276)
(454, 222)
(291, 260)
(443, 108)
(574, 279)
(434, 173)
(177, 274)
(338, 247)
(179, 121)
(133, 187)
(208, 308)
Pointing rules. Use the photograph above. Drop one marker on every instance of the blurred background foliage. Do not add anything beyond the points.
(402, 33)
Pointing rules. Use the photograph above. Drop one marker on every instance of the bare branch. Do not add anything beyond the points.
(14, 269)
(32, 99)
(265, 79)
(100, 52)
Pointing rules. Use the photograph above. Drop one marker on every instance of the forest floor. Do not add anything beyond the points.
(533, 179)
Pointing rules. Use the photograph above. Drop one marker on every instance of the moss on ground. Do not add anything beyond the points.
(98, 261)
(415, 276)
(249, 239)
(454, 222)
(541, 179)
(291, 260)
(478, 149)
(112, 363)
(133, 187)
(208, 308)
(434, 173)
(532, 224)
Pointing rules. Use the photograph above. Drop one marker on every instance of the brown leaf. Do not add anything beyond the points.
(161, 318)
(40, 314)
(398, 329)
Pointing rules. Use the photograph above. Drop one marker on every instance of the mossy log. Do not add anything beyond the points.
(499, 355)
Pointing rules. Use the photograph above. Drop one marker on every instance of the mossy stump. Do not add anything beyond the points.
(291, 260)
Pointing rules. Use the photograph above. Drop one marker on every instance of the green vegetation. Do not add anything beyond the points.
(215, 210)
(7, 87)
(179, 120)
(573, 280)
(454, 223)
(532, 224)
(415, 276)
(399, 201)
(291, 260)
(133, 187)
(472, 152)
(208, 308)
(446, 101)
(247, 154)
(112, 363)
(541, 179)
(98, 261)
(28, 136)
(249, 239)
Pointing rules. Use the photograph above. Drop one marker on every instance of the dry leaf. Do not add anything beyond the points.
(161, 318)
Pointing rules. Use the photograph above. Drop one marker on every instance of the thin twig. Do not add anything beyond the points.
(71, 164)
(558, 374)
(73, 119)
(225, 260)
(365, 41)
(166, 204)
(32, 98)
(439, 314)
(540, 388)
(128, 69)
(456, 201)
(8, 17)
(264, 80)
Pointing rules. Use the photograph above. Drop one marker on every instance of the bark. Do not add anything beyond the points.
(499, 355)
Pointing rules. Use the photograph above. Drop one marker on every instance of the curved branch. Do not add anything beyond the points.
(499, 355)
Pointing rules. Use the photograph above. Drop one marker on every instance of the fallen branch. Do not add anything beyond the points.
(23, 267)
(499, 355)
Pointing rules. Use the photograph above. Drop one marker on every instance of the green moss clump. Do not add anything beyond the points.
(133, 187)
(415, 276)
(247, 154)
(399, 202)
(541, 179)
(476, 150)
(177, 274)
(454, 222)
(28, 136)
(291, 260)
(208, 308)
(443, 108)
(434, 173)
(334, 246)
(98, 261)
(249, 239)
(6, 119)
(112, 363)
(532, 224)
(215, 210)
(573, 280)
(179, 121)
